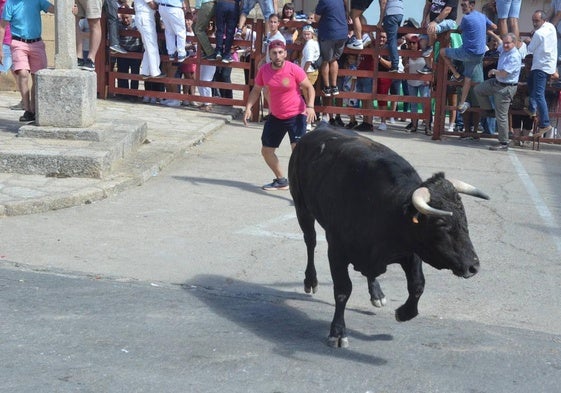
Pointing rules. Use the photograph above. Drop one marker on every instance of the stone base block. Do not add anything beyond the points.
(65, 98)
(64, 157)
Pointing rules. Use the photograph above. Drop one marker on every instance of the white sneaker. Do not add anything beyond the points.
(308, 127)
(355, 43)
(392, 120)
(383, 127)
(451, 128)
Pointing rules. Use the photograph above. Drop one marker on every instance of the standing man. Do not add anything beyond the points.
(474, 27)
(357, 9)
(502, 86)
(145, 21)
(391, 15)
(543, 46)
(28, 49)
(205, 12)
(91, 10)
(332, 33)
(289, 112)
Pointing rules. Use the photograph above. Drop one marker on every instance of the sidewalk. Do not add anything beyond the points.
(171, 131)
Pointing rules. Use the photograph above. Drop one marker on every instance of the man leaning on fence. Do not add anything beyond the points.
(502, 86)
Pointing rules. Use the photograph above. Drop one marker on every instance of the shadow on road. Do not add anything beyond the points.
(285, 195)
(265, 312)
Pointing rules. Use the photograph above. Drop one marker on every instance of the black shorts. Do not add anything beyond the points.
(275, 129)
(360, 4)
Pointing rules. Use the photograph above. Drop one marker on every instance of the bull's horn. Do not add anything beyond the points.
(468, 189)
(421, 199)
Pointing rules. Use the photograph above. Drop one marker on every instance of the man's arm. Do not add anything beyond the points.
(426, 13)
(383, 4)
(3, 24)
(311, 97)
(555, 17)
(251, 100)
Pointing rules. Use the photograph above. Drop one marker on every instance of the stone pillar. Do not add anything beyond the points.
(65, 33)
(65, 96)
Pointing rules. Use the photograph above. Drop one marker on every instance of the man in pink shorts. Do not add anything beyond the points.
(28, 49)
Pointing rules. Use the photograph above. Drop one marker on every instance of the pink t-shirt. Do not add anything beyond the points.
(7, 32)
(285, 100)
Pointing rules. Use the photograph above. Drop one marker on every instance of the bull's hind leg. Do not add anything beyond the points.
(306, 221)
(412, 266)
(377, 297)
(342, 288)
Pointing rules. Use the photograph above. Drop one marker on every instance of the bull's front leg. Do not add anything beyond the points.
(342, 288)
(377, 297)
(412, 266)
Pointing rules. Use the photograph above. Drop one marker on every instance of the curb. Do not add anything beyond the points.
(146, 163)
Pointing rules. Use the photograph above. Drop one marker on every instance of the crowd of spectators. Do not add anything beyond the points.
(479, 57)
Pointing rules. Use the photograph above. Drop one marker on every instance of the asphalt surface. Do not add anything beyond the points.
(193, 282)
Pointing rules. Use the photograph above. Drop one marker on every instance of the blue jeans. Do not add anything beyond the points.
(418, 91)
(536, 86)
(226, 15)
(391, 24)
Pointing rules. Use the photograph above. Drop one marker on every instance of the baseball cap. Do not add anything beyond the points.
(277, 44)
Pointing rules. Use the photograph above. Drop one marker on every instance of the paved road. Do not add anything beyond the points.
(193, 282)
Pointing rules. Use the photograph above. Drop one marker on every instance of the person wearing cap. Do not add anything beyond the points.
(310, 53)
(288, 110)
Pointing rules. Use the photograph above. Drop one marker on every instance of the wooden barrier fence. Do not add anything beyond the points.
(107, 81)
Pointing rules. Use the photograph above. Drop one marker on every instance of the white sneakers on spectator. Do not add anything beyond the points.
(383, 126)
(355, 43)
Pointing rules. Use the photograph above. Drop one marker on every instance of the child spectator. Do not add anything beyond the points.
(310, 55)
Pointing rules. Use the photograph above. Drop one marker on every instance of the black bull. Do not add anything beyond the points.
(375, 210)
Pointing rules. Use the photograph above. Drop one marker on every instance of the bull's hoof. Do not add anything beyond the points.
(378, 302)
(337, 342)
(311, 288)
(404, 314)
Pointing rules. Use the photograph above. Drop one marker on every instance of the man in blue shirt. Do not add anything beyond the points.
(501, 86)
(474, 27)
(28, 49)
(332, 35)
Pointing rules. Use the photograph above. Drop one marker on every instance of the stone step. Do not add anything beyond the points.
(91, 153)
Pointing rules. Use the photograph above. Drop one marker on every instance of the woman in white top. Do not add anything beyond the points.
(416, 87)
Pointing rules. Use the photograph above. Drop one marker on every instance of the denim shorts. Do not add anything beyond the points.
(470, 61)
(508, 8)
(266, 7)
(275, 129)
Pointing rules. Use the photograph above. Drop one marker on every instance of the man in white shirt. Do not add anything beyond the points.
(543, 47)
